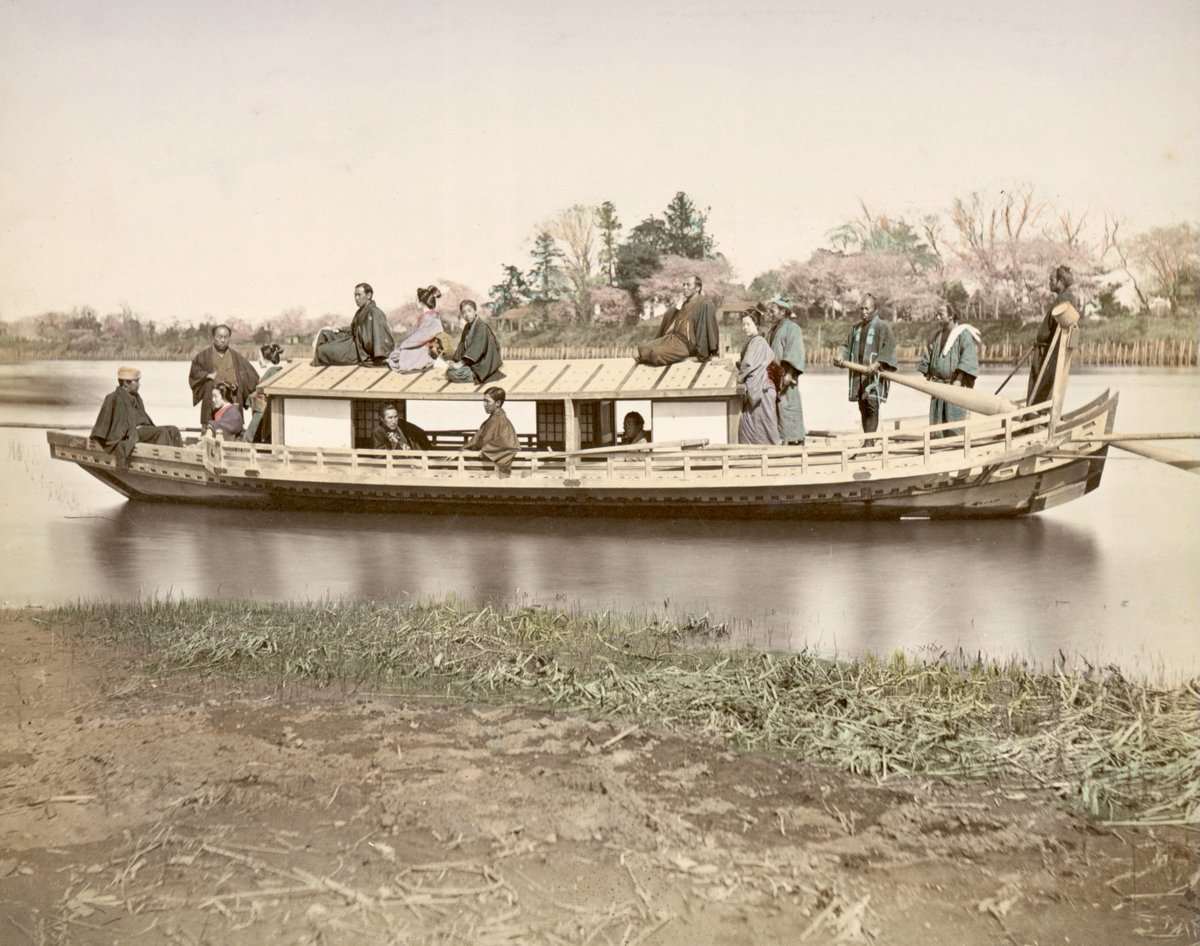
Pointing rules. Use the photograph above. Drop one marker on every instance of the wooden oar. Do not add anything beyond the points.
(968, 398)
(1181, 461)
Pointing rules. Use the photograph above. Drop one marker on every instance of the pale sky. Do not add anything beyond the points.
(236, 159)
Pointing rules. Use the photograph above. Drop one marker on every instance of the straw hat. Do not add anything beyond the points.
(125, 373)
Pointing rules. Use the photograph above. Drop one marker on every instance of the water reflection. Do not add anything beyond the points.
(1111, 577)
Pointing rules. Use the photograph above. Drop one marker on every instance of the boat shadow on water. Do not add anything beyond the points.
(142, 550)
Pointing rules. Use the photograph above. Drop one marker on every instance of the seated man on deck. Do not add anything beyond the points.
(496, 439)
(123, 422)
(477, 356)
(392, 433)
(688, 330)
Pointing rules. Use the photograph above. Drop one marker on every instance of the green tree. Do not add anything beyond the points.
(609, 226)
(510, 292)
(686, 233)
(546, 280)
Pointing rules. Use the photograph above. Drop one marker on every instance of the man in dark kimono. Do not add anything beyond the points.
(688, 330)
(123, 422)
(216, 363)
(869, 343)
(392, 433)
(496, 439)
(477, 356)
(1045, 362)
(368, 341)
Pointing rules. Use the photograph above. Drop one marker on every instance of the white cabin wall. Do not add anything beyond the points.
(690, 420)
(317, 422)
(468, 415)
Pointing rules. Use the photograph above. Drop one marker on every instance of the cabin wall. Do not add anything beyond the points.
(690, 420)
(317, 422)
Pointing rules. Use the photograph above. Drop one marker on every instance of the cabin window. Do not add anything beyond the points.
(365, 416)
(551, 425)
(596, 423)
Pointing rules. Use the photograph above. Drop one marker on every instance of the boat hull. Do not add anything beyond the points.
(1010, 479)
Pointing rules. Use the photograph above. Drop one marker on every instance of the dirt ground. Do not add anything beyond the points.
(137, 810)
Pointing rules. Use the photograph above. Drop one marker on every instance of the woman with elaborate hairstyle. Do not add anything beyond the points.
(412, 353)
(226, 423)
(759, 422)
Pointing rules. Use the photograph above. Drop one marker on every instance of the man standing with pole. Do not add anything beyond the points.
(869, 343)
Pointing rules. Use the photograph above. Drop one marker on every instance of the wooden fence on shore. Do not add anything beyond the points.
(1151, 353)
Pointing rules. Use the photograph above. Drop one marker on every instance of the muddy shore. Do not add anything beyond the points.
(144, 808)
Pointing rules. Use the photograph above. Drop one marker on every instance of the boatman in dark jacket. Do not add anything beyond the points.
(368, 340)
(869, 343)
(688, 330)
(477, 356)
(1045, 363)
(216, 363)
(123, 422)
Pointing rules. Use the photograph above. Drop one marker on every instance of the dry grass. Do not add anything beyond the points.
(1122, 750)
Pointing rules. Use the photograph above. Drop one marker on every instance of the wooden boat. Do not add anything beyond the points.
(1012, 463)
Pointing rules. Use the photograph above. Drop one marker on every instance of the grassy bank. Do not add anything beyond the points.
(1117, 749)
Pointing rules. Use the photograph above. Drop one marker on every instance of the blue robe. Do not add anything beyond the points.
(787, 343)
(951, 362)
(866, 343)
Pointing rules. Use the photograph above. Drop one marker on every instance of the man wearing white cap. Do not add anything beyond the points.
(123, 422)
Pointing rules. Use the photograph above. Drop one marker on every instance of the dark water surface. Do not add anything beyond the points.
(1109, 578)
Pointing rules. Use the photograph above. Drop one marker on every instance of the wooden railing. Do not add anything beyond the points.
(898, 448)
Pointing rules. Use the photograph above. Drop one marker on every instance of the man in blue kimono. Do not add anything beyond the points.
(869, 343)
(952, 357)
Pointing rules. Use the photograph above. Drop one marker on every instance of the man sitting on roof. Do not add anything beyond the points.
(688, 330)
(368, 340)
(477, 356)
(496, 439)
(123, 422)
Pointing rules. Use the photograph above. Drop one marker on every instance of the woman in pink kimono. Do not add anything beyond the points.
(412, 354)
(759, 422)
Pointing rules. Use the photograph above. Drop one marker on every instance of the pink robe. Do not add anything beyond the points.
(412, 354)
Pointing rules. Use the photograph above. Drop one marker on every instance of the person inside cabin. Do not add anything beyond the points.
(268, 365)
(951, 357)
(123, 422)
(870, 344)
(787, 345)
(759, 422)
(392, 433)
(227, 421)
(216, 363)
(633, 429)
(477, 355)
(496, 440)
(368, 341)
(688, 330)
(1045, 360)
(413, 351)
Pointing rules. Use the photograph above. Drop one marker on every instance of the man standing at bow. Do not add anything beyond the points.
(216, 363)
(688, 330)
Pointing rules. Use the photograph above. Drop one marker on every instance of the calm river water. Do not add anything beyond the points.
(1110, 578)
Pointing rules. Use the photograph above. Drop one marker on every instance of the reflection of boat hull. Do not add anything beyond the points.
(1003, 466)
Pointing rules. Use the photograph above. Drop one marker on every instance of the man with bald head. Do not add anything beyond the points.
(216, 363)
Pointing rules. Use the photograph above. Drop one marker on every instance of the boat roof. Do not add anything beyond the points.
(548, 379)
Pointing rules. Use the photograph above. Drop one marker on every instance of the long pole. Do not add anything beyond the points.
(1016, 368)
(967, 398)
